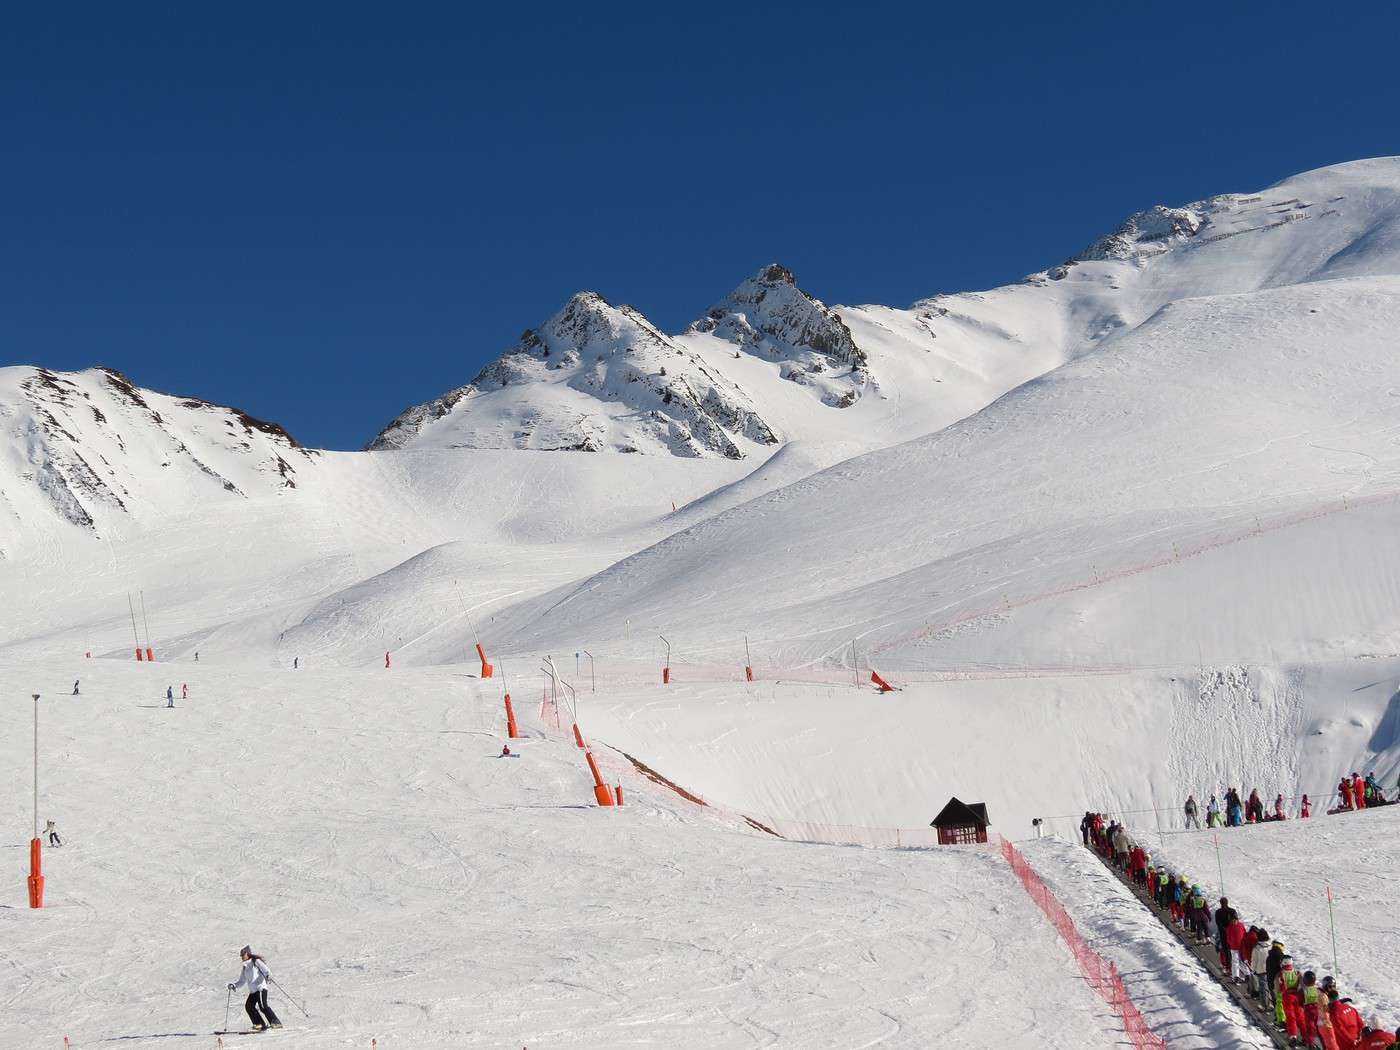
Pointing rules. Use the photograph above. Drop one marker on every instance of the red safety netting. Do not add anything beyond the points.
(1101, 974)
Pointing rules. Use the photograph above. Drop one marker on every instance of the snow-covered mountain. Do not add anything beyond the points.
(598, 377)
(593, 377)
(89, 450)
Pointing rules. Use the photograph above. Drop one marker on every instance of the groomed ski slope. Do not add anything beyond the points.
(359, 830)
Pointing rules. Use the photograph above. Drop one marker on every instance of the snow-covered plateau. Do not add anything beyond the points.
(1122, 530)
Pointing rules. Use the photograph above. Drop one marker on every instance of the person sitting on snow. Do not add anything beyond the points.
(1374, 796)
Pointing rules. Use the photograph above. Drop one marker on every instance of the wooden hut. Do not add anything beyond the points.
(961, 824)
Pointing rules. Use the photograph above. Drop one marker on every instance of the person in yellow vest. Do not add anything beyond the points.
(1287, 986)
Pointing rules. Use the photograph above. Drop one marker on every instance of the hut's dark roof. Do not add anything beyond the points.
(958, 814)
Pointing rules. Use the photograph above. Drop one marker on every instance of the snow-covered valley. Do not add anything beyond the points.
(1119, 531)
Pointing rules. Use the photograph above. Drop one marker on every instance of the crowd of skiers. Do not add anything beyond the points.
(1313, 1012)
(1354, 792)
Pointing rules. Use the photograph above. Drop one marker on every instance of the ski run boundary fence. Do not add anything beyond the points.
(1101, 974)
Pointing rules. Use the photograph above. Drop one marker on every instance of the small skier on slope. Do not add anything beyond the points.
(169, 696)
(52, 832)
(184, 691)
(255, 975)
(75, 687)
(1193, 817)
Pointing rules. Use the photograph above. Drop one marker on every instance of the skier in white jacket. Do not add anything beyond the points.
(255, 976)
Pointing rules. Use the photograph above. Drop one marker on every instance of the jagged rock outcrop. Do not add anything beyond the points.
(594, 377)
(771, 317)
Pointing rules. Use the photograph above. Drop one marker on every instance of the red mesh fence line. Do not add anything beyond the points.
(1101, 974)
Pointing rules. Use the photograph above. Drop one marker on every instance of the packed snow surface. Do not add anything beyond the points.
(407, 884)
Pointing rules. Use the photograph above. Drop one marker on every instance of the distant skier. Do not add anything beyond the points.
(169, 696)
(386, 660)
(1278, 809)
(75, 687)
(196, 656)
(52, 832)
(255, 975)
(296, 662)
(505, 751)
(1358, 791)
(1307, 807)
(1212, 813)
(184, 691)
(1193, 816)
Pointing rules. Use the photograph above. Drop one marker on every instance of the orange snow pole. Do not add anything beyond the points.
(486, 669)
(748, 674)
(665, 676)
(511, 729)
(578, 737)
(601, 791)
(36, 874)
(386, 659)
(150, 656)
(885, 686)
(619, 794)
(139, 655)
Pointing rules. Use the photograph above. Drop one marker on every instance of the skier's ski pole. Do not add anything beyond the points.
(288, 994)
(227, 1003)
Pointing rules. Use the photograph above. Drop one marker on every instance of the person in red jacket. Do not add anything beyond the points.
(1346, 1022)
(1307, 807)
(1344, 789)
(1374, 1037)
(1234, 941)
(1358, 791)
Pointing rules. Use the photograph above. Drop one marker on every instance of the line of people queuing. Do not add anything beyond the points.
(1236, 813)
(1355, 792)
(1313, 1012)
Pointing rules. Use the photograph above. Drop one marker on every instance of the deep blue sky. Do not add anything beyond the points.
(324, 213)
